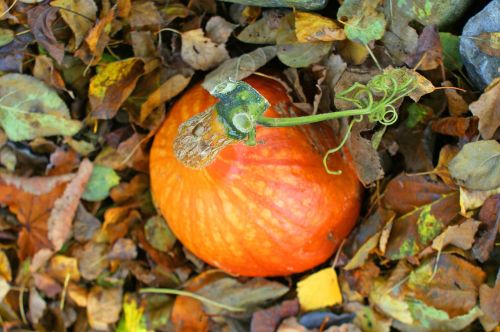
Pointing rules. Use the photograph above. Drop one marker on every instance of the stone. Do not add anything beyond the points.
(482, 68)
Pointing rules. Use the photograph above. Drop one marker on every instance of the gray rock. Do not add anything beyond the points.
(482, 68)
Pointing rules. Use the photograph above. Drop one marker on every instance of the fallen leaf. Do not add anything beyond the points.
(363, 22)
(40, 19)
(424, 209)
(489, 301)
(267, 320)
(353, 52)
(455, 126)
(477, 166)
(169, 89)
(62, 267)
(133, 319)
(325, 319)
(238, 68)
(447, 153)
(248, 295)
(79, 23)
(201, 52)
(400, 39)
(319, 290)
(357, 283)
(145, 15)
(488, 43)
(97, 39)
(4, 288)
(490, 215)
(264, 30)
(457, 106)
(104, 306)
(29, 109)
(313, 27)
(159, 234)
(451, 54)
(368, 319)
(37, 306)
(472, 199)
(126, 191)
(85, 225)
(417, 114)
(123, 250)
(112, 85)
(429, 54)
(218, 29)
(461, 236)
(6, 36)
(60, 221)
(44, 70)
(91, 259)
(101, 181)
(487, 109)
(32, 199)
(294, 53)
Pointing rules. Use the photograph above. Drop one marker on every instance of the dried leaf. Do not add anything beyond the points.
(263, 31)
(454, 126)
(236, 69)
(472, 199)
(6, 36)
(101, 181)
(169, 89)
(428, 55)
(490, 215)
(461, 236)
(79, 16)
(489, 301)
(201, 52)
(144, 14)
(487, 109)
(488, 43)
(353, 52)
(91, 262)
(5, 270)
(62, 267)
(32, 199)
(159, 234)
(477, 166)
(319, 290)
(447, 153)
(123, 250)
(29, 109)
(219, 30)
(112, 85)
(40, 20)
(37, 306)
(44, 70)
(267, 320)
(425, 209)
(456, 104)
(61, 217)
(294, 53)
(363, 22)
(104, 306)
(313, 27)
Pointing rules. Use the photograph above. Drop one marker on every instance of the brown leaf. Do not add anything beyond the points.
(219, 30)
(61, 267)
(447, 153)
(79, 16)
(456, 103)
(489, 300)
(429, 53)
(47, 285)
(454, 126)
(426, 208)
(97, 39)
(37, 306)
(32, 200)
(104, 306)
(63, 161)
(267, 320)
(44, 70)
(123, 250)
(488, 43)
(64, 209)
(126, 191)
(487, 109)
(91, 259)
(145, 15)
(361, 279)
(490, 215)
(366, 159)
(85, 225)
(169, 89)
(200, 52)
(461, 236)
(40, 20)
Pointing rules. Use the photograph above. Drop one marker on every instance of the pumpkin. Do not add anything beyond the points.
(264, 210)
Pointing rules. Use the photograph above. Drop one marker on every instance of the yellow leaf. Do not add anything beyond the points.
(319, 290)
(312, 27)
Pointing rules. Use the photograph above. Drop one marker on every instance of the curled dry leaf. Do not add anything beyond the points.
(487, 109)
(61, 217)
(40, 20)
(201, 52)
(112, 85)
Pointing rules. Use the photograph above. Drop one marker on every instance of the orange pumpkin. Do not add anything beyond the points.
(263, 210)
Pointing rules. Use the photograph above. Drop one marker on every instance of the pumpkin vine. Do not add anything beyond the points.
(240, 110)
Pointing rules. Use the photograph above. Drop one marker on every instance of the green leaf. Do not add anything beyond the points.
(477, 166)
(6, 36)
(30, 109)
(133, 318)
(364, 22)
(101, 181)
(451, 55)
(417, 113)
